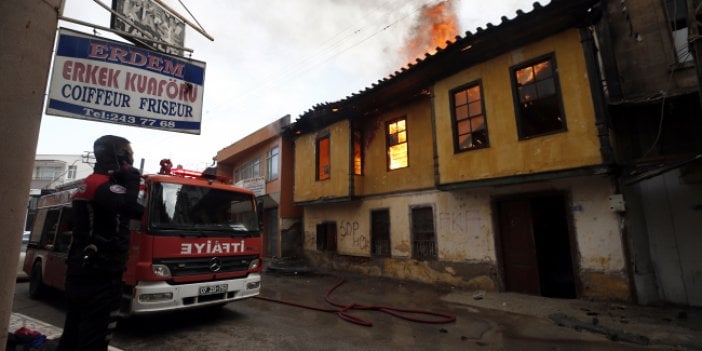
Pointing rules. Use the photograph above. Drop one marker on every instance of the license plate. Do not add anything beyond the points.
(213, 289)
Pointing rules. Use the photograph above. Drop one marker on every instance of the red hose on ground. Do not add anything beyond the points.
(343, 310)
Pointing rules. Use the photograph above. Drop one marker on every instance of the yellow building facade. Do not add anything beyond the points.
(487, 171)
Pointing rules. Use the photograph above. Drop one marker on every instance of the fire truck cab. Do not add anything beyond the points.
(197, 244)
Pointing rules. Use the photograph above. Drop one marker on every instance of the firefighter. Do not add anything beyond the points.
(102, 208)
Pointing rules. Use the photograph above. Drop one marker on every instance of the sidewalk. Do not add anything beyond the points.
(18, 320)
(675, 326)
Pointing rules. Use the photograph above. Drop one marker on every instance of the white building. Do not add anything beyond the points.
(51, 171)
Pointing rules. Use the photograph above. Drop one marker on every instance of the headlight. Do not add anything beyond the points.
(254, 264)
(156, 297)
(161, 270)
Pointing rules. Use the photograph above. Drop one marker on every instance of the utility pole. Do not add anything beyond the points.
(28, 30)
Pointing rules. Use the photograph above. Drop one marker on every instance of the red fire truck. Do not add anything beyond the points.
(198, 243)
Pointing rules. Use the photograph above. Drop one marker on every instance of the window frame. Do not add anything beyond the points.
(71, 172)
(551, 57)
(378, 249)
(270, 158)
(387, 142)
(254, 164)
(454, 120)
(357, 142)
(434, 256)
(317, 162)
(326, 237)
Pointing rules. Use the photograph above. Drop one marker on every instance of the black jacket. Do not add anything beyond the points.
(102, 208)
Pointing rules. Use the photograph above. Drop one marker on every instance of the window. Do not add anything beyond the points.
(272, 163)
(397, 143)
(677, 15)
(47, 172)
(423, 238)
(250, 170)
(380, 233)
(326, 236)
(538, 99)
(323, 158)
(357, 152)
(72, 172)
(469, 124)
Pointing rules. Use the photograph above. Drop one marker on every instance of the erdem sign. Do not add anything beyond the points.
(108, 81)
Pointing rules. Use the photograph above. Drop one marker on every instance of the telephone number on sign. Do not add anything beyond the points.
(129, 119)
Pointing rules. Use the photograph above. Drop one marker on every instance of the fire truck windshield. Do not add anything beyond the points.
(196, 210)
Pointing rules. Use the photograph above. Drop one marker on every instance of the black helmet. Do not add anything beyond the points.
(111, 152)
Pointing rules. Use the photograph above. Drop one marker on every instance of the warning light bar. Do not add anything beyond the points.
(186, 173)
(209, 173)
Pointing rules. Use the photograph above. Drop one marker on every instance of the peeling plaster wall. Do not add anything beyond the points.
(465, 231)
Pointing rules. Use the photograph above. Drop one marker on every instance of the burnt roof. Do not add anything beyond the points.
(416, 78)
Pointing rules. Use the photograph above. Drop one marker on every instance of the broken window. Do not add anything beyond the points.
(326, 236)
(380, 233)
(357, 152)
(677, 17)
(538, 98)
(469, 123)
(423, 237)
(323, 158)
(397, 143)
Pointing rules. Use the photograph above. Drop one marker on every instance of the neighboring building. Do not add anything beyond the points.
(486, 165)
(263, 162)
(51, 171)
(652, 56)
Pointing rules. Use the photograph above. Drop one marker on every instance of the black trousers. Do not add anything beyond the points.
(93, 301)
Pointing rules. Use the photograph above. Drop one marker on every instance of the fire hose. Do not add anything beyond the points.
(343, 311)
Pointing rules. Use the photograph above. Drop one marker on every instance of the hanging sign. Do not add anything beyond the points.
(108, 81)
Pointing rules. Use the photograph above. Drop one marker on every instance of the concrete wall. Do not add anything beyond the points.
(465, 232)
(507, 155)
(643, 43)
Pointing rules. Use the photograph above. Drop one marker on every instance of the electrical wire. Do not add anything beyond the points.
(343, 310)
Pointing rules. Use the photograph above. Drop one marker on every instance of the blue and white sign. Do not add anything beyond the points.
(107, 81)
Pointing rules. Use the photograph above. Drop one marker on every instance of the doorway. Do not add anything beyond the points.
(271, 229)
(535, 245)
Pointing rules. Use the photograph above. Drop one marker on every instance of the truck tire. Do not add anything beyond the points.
(36, 283)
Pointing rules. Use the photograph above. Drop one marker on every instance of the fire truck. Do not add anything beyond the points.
(198, 243)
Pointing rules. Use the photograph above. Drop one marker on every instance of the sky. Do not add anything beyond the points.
(268, 59)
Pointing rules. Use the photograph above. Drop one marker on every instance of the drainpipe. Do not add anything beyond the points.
(599, 102)
(601, 121)
(432, 98)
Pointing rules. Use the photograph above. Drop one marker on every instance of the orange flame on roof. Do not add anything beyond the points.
(436, 24)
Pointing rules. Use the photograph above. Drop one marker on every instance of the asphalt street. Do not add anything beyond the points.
(483, 320)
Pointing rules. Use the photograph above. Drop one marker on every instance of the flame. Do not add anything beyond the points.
(436, 24)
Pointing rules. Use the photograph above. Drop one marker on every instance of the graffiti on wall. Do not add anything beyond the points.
(352, 229)
(458, 221)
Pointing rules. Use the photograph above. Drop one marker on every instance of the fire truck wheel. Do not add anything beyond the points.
(36, 285)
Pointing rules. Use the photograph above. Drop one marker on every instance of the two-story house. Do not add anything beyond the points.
(486, 165)
(263, 163)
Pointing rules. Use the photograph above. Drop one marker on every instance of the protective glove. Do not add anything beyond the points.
(127, 176)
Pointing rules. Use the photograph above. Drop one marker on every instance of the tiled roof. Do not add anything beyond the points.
(410, 82)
